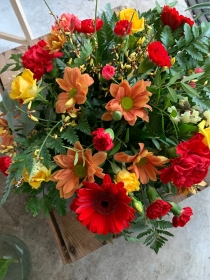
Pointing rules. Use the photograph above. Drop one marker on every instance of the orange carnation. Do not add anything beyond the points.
(143, 164)
(130, 101)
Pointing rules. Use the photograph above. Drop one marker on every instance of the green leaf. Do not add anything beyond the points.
(199, 6)
(194, 53)
(45, 154)
(201, 47)
(189, 90)
(172, 94)
(195, 30)
(156, 245)
(6, 67)
(69, 134)
(45, 204)
(191, 77)
(86, 51)
(158, 7)
(204, 104)
(29, 162)
(156, 143)
(167, 37)
(131, 239)
(56, 145)
(4, 265)
(188, 33)
(182, 59)
(174, 79)
(83, 124)
(165, 232)
(33, 205)
(115, 149)
(60, 63)
(10, 120)
(142, 234)
(58, 202)
(101, 237)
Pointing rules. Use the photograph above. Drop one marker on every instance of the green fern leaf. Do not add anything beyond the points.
(188, 33)
(156, 245)
(201, 47)
(164, 232)
(167, 37)
(142, 234)
(69, 134)
(191, 50)
(56, 144)
(164, 224)
(57, 202)
(45, 154)
(195, 30)
(33, 205)
(204, 104)
(45, 205)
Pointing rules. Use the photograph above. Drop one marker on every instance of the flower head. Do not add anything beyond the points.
(191, 166)
(70, 177)
(103, 209)
(38, 60)
(123, 28)
(158, 209)
(67, 23)
(89, 26)
(4, 128)
(131, 15)
(158, 54)
(143, 164)
(183, 218)
(102, 140)
(24, 87)
(75, 86)
(108, 72)
(55, 41)
(131, 183)
(130, 101)
(5, 163)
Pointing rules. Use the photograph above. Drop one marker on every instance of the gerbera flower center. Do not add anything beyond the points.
(72, 93)
(80, 171)
(127, 103)
(142, 161)
(104, 203)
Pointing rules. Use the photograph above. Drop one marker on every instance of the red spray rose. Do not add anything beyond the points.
(88, 25)
(183, 218)
(38, 60)
(67, 22)
(102, 140)
(191, 166)
(108, 72)
(158, 209)
(171, 17)
(158, 54)
(123, 28)
(103, 209)
(5, 163)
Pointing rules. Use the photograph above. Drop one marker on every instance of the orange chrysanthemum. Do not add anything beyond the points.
(70, 177)
(143, 164)
(130, 101)
(55, 41)
(75, 85)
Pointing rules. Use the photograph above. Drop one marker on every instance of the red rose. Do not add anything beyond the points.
(88, 25)
(183, 218)
(191, 166)
(38, 60)
(158, 209)
(171, 17)
(158, 54)
(102, 140)
(108, 72)
(123, 28)
(5, 163)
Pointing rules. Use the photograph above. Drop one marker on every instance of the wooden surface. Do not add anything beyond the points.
(73, 240)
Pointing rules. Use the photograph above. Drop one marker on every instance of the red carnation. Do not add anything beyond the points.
(158, 54)
(38, 60)
(171, 17)
(102, 140)
(191, 166)
(108, 72)
(183, 218)
(5, 163)
(88, 26)
(158, 209)
(123, 28)
(103, 209)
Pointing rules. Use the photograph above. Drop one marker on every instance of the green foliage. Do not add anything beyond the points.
(86, 51)
(56, 144)
(69, 134)
(167, 37)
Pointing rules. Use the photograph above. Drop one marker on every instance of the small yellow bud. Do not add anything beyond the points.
(29, 105)
(33, 118)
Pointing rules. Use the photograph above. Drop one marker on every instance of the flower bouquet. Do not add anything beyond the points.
(112, 111)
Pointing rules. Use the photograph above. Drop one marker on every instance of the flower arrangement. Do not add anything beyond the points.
(114, 112)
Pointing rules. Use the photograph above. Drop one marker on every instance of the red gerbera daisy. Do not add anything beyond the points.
(103, 209)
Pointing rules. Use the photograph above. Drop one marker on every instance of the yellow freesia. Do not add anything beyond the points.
(131, 183)
(132, 16)
(205, 132)
(24, 87)
(39, 175)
